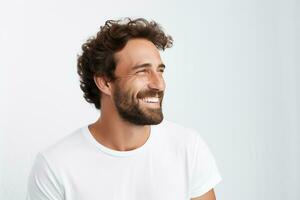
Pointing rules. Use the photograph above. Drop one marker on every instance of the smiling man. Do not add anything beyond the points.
(131, 152)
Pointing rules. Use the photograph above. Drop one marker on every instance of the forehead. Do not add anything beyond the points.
(137, 51)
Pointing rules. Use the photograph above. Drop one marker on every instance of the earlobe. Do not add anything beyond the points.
(102, 84)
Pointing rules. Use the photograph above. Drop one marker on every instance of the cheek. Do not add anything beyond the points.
(137, 85)
(131, 90)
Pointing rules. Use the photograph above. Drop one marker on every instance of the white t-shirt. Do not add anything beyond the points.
(174, 163)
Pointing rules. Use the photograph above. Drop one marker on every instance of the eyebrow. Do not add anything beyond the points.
(146, 65)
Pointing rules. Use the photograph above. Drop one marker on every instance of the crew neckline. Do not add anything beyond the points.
(88, 135)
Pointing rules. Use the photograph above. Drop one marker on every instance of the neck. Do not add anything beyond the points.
(115, 133)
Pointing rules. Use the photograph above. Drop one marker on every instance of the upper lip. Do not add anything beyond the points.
(151, 95)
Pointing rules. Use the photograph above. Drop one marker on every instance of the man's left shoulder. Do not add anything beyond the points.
(179, 131)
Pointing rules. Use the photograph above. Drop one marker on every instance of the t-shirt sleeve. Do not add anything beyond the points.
(205, 173)
(42, 182)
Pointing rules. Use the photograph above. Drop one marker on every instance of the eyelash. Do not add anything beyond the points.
(144, 70)
(141, 71)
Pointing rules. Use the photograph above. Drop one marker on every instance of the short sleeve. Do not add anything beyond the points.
(42, 182)
(205, 173)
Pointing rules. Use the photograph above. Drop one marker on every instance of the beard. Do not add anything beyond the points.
(130, 109)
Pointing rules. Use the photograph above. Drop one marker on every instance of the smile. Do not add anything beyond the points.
(150, 99)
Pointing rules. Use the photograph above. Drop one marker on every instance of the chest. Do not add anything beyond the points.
(153, 176)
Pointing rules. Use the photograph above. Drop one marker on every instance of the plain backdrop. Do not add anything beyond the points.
(232, 74)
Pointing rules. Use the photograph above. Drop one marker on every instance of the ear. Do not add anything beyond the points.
(102, 84)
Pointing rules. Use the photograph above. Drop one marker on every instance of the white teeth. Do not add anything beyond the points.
(151, 100)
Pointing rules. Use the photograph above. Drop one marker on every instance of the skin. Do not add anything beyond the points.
(111, 129)
(210, 195)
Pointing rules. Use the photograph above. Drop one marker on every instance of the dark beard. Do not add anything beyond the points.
(130, 110)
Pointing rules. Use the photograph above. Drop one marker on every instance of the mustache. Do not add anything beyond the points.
(151, 93)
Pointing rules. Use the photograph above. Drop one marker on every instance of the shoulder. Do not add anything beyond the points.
(180, 134)
(64, 148)
(177, 130)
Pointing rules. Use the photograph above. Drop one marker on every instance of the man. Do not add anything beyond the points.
(130, 152)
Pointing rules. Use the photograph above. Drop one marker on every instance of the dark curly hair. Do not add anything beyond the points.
(97, 58)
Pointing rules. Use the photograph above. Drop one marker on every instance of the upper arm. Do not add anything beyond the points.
(210, 195)
(42, 182)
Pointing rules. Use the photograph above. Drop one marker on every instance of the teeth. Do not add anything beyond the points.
(151, 100)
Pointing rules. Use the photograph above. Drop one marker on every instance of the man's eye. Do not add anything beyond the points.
(141, 71)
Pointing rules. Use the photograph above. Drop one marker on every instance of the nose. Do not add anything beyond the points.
(156, 81)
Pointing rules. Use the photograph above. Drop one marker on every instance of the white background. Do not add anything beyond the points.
(232, 74)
